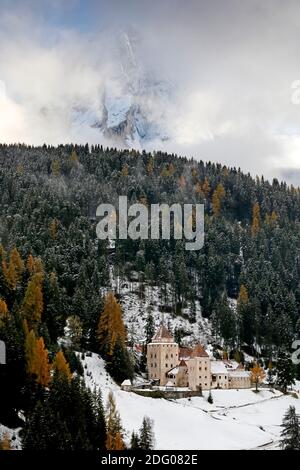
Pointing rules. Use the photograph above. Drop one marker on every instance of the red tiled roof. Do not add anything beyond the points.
(162, 332)
(199, 351)
(185, 352)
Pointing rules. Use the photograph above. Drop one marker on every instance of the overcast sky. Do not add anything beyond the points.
(233, 64)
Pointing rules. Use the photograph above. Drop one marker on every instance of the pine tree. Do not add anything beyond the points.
(120, 363)
(74, 331)
(257, 375)
(114, 438)
(146, 435)
(61, 367)
(270, 374)
(285, 371)
(149, 328)
(210, 398)
(290, 434)
(246, 316)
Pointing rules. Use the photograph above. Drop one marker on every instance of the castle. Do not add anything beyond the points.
(172, 366)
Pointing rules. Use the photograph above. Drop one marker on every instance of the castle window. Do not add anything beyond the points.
(155, 365)
(151, 365)
(151, 355)
(205, 367)
(167, 356)
(166, 365)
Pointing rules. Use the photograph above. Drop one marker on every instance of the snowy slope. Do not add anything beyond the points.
(238, 419)
(135, 312)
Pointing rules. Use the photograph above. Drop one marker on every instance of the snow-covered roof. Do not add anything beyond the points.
(169, 384)
(174, 371)
(239, 373)
(231, 364)
(218, 367)
(126, 382)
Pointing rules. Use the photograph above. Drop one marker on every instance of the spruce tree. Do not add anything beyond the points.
(285, 371)
(146, 435)
(290, 434)
(134, 441)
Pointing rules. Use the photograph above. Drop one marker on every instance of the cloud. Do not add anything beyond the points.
(232, 64)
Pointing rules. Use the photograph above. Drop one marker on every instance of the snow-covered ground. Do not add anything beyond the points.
(238, 419)
(13, 435)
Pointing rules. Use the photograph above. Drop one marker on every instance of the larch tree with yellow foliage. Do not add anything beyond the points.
(55, 168)
(4, 314)
(114, 439)
(111, 327)
(243, 297)
(14, 270)
(54, 229)
(112, 337)
(61, 367)
(37, 360)
(33, 303)
(206, 187)
(217, 200)
(5, 443)
(255, 219)
(150, 166)
(257, 375)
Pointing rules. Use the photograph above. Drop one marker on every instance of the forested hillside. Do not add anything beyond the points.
(54, 272)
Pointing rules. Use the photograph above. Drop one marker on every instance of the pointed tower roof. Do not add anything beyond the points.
(182, 363)
(163, 335)
(199, 351)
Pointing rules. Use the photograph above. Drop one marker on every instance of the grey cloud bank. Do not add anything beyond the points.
(232, 64)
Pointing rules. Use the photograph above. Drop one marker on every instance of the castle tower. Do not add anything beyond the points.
(199, 369)
(162, 355)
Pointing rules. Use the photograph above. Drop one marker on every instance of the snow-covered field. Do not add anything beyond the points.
(238, 419)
